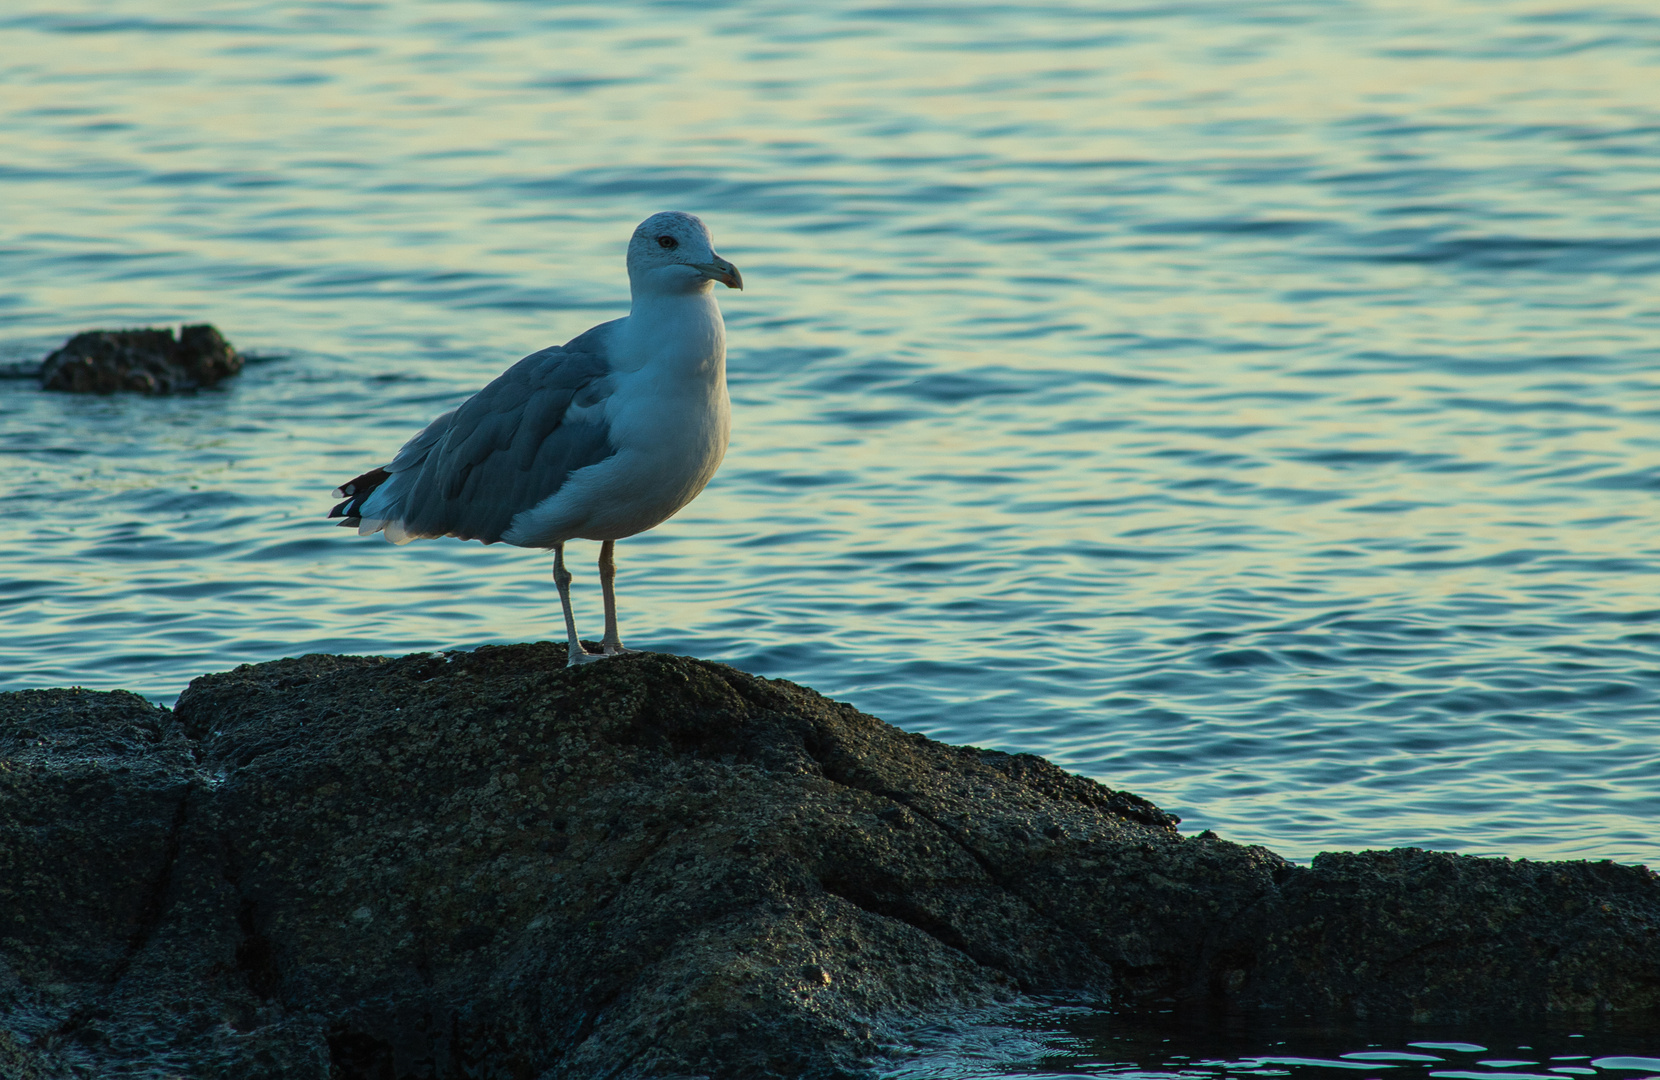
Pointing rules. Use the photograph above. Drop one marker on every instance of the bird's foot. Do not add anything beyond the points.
(580, 655)
(616, 648)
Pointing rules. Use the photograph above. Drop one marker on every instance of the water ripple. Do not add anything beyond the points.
(1245, 404)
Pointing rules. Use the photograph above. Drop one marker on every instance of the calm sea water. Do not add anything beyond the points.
(1055, 1040)
(1250, 405)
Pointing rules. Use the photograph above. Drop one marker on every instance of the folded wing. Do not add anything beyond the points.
(501, 452)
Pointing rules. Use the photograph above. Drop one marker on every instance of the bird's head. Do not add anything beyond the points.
(672, 252)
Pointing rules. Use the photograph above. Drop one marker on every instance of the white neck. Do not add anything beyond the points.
(677, 331)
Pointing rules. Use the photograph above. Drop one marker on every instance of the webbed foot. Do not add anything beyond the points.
(580, 656)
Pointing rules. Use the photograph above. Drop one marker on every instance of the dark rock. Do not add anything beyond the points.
(17, 1062)
(488, 864)
(1444, 937)
(148, 361)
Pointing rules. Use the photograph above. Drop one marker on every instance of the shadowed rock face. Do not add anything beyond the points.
(489, 865)
(146, 361)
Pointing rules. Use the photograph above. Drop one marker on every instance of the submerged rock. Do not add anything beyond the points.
(487, 864)
(148, 361)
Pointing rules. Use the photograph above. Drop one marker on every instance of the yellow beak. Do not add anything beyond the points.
(722, 271)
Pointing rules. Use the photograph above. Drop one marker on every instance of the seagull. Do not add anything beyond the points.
(603, 437)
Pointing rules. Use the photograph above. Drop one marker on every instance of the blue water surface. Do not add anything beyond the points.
(1249, 405)
(1051, 1040)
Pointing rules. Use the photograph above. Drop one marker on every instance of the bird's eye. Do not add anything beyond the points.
(667, 242)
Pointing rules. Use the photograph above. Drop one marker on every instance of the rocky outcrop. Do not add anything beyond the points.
(146, 361)
(487, 864)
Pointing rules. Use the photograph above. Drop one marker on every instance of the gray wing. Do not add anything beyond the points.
(503, 450)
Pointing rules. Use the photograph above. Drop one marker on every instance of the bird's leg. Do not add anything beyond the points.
(562, 577)
(608, 574)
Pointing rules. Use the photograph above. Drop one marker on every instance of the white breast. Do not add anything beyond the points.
(670, 420)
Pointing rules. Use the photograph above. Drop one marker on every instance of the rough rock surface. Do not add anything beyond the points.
(148, 361)
(488, 865)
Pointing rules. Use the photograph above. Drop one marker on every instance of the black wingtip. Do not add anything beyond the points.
(357, 489)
